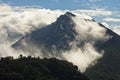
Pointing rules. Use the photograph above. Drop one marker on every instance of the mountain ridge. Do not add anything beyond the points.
(62, 35)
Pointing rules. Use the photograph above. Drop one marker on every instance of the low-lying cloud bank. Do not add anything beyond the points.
(16, 23)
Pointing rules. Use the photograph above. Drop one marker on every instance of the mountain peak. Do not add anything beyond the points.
(66, 18)
(70, 14)
(57, 35)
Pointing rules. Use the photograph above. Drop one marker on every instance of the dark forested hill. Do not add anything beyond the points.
(28, 68)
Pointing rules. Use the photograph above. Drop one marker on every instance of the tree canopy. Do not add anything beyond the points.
(29, 68)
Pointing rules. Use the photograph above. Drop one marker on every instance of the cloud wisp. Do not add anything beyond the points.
(111, 19)
(116, 29)
(96, 12)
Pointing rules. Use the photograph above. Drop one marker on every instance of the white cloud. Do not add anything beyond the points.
(111, 19)
(97, 12)
(89, 28)
(23, 21)
(88, 55)
(105, 24)
(116, 29)
(5, 8)
(83, 58)
(17, 21)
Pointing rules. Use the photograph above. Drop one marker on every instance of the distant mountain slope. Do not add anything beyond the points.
(69, 32)
(114, 40)
(108, 67)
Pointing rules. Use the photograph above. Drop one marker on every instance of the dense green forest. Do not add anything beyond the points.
(29, 68)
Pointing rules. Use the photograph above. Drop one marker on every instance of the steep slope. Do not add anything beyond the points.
(57, 35)
(108, 67)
